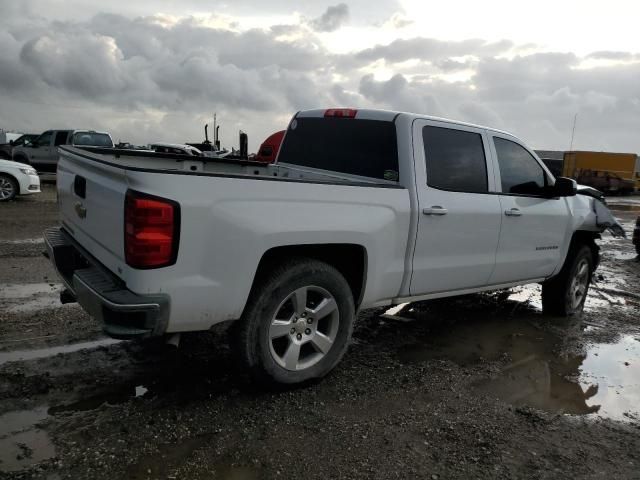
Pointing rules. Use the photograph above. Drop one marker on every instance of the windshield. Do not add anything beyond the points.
(92, 139)
(22, 139)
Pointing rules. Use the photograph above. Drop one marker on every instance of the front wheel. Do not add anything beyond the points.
(297, 324)
(565, 294)
(8, 188)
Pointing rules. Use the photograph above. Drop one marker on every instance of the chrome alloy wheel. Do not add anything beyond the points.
(579, 284)
(304, 328)
(6, 188)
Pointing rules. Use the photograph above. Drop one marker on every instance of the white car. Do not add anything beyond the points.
(362, 208)
(17, 179)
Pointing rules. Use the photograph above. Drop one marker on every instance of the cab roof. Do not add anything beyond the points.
(384, 115)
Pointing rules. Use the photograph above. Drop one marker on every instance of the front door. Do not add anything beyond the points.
(41, 149)
(459, 219)
(534, 226)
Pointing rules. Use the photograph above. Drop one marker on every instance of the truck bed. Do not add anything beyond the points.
(153, 162)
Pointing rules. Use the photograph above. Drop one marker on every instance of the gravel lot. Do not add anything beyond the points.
(481, 386)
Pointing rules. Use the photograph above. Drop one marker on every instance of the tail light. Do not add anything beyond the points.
(151, 231)
(341, 112)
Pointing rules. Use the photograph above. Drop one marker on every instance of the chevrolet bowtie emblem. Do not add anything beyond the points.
(80, 210)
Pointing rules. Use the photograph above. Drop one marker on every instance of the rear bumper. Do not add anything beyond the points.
(104, 296)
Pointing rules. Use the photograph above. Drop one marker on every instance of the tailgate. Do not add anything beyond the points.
(91, 198)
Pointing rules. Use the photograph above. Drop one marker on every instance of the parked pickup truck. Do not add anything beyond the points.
(363, 208)
(43, 151)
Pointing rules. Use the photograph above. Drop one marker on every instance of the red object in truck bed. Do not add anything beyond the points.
(269, 148)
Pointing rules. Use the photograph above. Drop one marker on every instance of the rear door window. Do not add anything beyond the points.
(366, 148)
(455, 160)
(520, 172)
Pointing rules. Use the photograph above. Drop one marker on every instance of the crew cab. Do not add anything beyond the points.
(43, 151)
(362, 208)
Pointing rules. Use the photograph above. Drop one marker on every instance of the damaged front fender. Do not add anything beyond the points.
(604, 219)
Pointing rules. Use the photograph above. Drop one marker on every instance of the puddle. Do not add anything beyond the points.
(115, 397)
(602, 379)
(29, 297)
(20, 355)
(529, 296)
(22, 443)
(169, 457)
(623, 255)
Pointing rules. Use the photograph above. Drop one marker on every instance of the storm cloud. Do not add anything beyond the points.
(161, 77)
(332, 19)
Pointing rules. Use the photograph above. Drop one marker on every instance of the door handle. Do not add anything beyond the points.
(435, 210)
(514, 212)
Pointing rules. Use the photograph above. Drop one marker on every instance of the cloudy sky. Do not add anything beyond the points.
(157, 70)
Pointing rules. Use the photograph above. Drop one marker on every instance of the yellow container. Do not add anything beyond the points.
(623, 165)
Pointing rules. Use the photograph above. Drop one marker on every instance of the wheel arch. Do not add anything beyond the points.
(349, 259)
(587, 238)
(21, 158)
(12, 177)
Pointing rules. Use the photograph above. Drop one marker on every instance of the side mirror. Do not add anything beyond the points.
(11, 143)
(564, 187)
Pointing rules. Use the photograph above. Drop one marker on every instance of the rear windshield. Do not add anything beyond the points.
(92, 139)
(356, 147)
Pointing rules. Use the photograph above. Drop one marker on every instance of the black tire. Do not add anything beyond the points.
(559, 297)
(253, 339)
(9, 188)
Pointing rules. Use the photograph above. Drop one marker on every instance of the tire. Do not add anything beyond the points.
(297, 324)
(8, 188)
(564, 295)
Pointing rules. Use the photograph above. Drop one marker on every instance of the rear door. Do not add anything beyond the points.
(459, 219)
(60, 137)
(534, 226)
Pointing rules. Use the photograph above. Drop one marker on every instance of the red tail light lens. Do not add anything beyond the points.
(151, 231)
(341, 112)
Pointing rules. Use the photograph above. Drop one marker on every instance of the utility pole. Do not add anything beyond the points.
(573, 132)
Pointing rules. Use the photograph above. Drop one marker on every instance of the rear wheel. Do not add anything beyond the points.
(297, 324)
(565, 294)
(8, 188)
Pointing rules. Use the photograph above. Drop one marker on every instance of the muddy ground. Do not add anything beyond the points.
(481, 386)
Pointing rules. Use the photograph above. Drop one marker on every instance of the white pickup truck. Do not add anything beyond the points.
(362, 208)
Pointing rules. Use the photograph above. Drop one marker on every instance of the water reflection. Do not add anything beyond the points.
(547, 366)
(22, 443)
